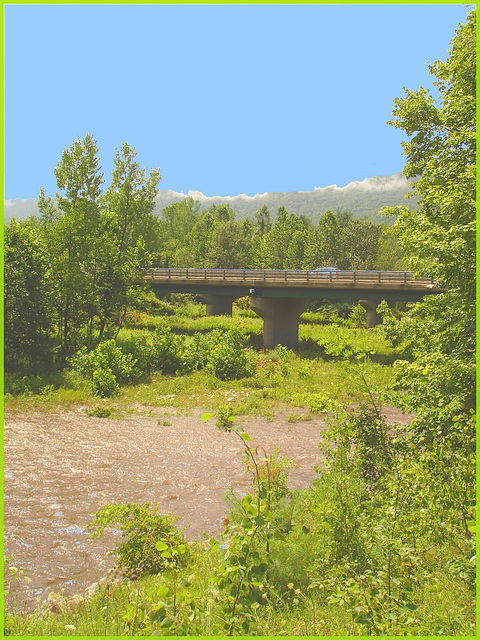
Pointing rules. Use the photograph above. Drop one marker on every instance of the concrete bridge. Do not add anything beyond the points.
(281, 296)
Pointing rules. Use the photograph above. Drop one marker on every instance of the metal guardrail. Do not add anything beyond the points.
(273, 276)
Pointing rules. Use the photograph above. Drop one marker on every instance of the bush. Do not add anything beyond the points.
(168, 351)
(99, 412)
(104, 383)
(357, 317)
(142, 528)
(106, 367)
(140, 349)
(228, 359)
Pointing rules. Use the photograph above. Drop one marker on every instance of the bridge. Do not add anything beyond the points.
(281, 296)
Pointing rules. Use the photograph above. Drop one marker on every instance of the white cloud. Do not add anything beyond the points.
(379, 183)
(198, 195)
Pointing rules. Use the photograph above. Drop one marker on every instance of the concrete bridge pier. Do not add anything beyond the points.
(373, 318)
(280, 319)
(218, 305)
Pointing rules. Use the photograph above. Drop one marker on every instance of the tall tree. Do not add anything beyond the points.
(71, 226)
(439, 236)
(131, 195)
(222, 212)
(359, 241)
(437, 381)
(229, 247)
(28, 318)
(329, 239)
(263, 223)
(96, 242)
(284, 246)
(180, 218)
(121, 252)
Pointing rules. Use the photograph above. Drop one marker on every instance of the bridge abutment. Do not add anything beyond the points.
(218, 305)
(280, 319)
(373, 318)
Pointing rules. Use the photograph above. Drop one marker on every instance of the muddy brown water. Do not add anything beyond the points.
(60, 468)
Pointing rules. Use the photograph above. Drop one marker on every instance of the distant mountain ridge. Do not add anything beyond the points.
(364, 198)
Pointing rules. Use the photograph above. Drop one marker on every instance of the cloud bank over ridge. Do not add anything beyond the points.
(362, 198)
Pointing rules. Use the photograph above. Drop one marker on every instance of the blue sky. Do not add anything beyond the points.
(225, 99)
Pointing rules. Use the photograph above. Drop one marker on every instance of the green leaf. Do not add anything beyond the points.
(167, 622)
(161, 546)
(162, 590)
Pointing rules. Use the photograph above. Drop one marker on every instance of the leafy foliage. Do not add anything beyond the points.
(147, 537)
(28, 317)
(96, 243)
(228, 358)
(105, 366)
(439, 239)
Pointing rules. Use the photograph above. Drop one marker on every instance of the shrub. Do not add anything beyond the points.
(319, 402)
(104, 383)
(229, 359)
(168, 351)
(140, 349)
(142, 528)
(357, 317)
(105, 366)
(197, 350)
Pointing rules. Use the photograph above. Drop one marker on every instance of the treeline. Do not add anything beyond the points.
(213, 238)
(71, 274)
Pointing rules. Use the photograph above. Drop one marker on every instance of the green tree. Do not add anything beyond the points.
(181, 217)
(390, 253)
(193, 251)
(263, 224)
(28, 327)
(229, 246)
(95, 242)
(328, 236)
(439, 236)
(222, 212)
(121, 250)
(359, 241)
(178, 222)
(71, 225)
(437, 381)
(131, 196)
(284, 246)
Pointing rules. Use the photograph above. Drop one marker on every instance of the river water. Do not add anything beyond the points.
(61, 467)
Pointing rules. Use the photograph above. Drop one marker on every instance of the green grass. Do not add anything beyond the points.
(445, 605)
(285, 378)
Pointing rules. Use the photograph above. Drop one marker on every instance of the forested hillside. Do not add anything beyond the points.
(364, 198)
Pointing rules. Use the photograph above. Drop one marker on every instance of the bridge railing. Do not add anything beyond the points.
(291, 275)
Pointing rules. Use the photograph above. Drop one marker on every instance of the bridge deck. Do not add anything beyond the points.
(254, 278)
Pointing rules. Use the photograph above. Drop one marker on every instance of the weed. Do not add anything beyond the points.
(99, 412)
(296, 417)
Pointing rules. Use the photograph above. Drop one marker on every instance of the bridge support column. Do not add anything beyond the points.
(218, 305)
(280, 319)
(373, 318)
